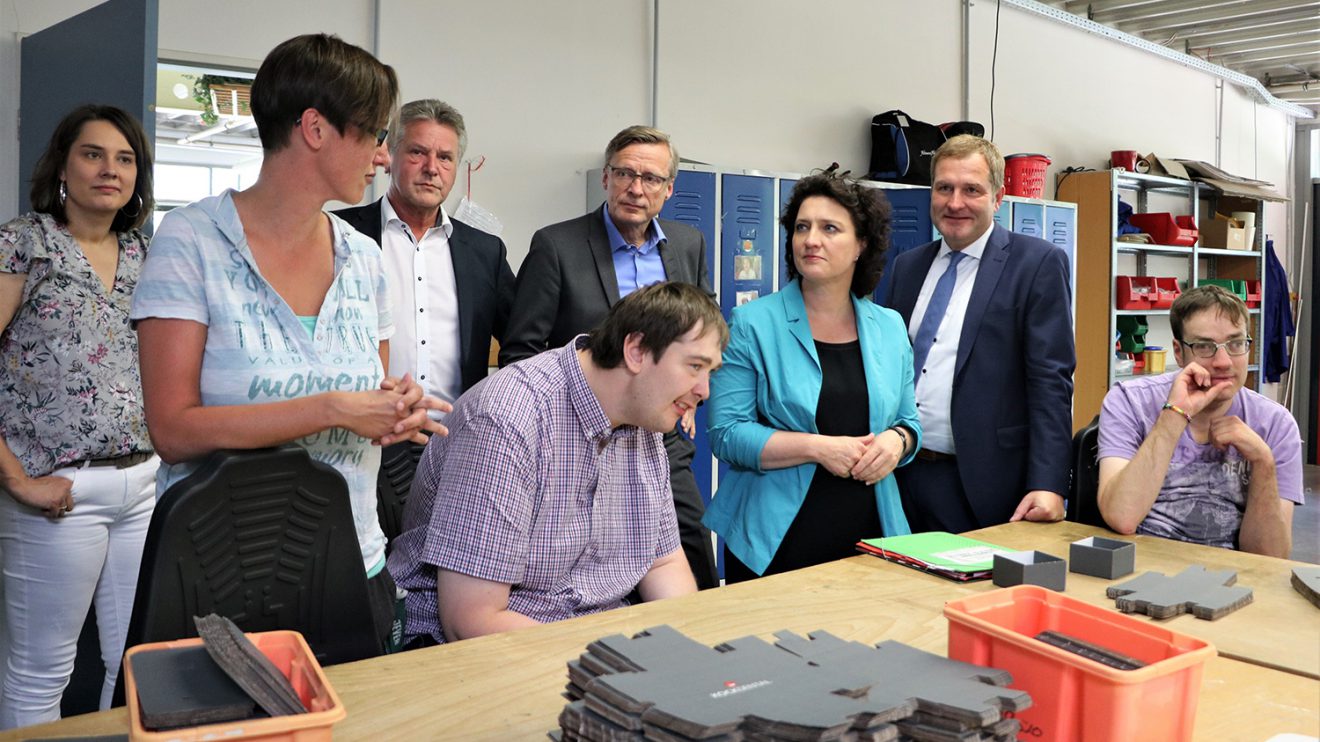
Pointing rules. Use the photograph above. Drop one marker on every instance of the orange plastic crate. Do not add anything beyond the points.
(1075, 698)
(290, 653)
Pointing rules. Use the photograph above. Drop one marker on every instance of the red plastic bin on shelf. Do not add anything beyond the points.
(1165, 229)
(1134, 292)
(1166, 291)
(1076, 698)
(1253, 294)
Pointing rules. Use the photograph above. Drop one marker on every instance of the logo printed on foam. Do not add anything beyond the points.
(733, 688)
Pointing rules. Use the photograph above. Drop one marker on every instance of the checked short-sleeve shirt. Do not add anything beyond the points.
(533, 488)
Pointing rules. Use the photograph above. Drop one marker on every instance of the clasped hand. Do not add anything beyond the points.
(868, 458)
(396, 412)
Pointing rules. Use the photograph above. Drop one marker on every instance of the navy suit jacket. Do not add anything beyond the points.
(567, 283)
(482, 278)
(1012, 386)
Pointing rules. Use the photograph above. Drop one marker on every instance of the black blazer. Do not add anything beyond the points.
(1012, 383)
(567, 284)
(482, 278)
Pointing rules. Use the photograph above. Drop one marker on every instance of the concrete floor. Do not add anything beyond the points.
(1306, 519)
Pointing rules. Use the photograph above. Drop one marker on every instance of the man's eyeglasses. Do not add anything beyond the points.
(625, 177)
(1207, 349)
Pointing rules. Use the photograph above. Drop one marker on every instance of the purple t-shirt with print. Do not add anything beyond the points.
(1205, 492)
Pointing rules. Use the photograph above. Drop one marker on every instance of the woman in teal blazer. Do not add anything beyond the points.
(814, 406)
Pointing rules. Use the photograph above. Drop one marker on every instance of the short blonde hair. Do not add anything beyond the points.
(642, 135)
(965, 145)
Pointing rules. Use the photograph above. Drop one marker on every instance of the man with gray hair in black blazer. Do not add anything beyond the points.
(576, 270)
(450, 284)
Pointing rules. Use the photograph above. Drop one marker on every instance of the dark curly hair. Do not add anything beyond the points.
(869, 210)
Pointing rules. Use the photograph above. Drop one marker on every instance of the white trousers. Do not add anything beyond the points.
(55, 568)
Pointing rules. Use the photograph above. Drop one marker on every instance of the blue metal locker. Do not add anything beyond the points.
(1061, 229)
(910, 226)
(693, 203)
(1029, 218)
(747, 231)
(782, 242)
(1004, 214)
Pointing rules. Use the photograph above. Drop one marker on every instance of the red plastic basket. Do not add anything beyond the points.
(1075, 698)
(1024, 175)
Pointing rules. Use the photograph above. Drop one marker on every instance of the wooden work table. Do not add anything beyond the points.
(508, 686)
(1280, 629)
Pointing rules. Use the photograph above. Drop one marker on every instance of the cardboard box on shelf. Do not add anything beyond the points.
(1223, 232)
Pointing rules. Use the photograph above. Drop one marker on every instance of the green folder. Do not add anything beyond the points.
(945, 554)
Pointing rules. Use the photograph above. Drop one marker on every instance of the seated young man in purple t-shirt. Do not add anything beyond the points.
(1191, 455)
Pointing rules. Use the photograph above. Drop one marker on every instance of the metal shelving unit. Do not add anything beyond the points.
(1102, 257)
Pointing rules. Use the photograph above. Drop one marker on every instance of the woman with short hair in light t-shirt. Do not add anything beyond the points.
(263, 320)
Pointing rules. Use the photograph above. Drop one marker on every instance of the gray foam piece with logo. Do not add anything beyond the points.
(800, 688)
(971, 695)
(1206, 595)
(1306, 580)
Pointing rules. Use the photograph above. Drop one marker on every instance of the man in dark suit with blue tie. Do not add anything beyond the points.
(989, 315)
(451, 288)
(576, 270)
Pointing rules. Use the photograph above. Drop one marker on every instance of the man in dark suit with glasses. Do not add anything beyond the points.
(576, 270)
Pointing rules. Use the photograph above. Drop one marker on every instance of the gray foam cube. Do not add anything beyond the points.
(1102, 557)
(1030, 568)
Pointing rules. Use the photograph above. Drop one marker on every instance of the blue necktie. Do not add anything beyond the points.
(930, 323)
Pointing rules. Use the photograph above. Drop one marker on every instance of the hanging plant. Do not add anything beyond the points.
(202, 85)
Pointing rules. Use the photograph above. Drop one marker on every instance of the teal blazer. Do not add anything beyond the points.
(771, 381)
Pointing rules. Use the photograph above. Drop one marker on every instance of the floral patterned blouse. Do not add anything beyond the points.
(69, 382)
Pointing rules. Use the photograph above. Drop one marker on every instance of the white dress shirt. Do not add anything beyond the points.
(424, 304)
(935, 381)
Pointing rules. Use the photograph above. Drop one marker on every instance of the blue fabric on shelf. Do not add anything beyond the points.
(1277, 317)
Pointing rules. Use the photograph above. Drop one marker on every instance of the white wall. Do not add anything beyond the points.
(770, 84)
(542, 87)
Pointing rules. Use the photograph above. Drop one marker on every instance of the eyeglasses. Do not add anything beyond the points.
(625, 177)
(1207, 349)
(380, 135)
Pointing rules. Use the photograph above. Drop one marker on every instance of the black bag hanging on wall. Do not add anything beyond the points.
(902, 147)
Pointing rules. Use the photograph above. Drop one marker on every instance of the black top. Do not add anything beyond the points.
(838, 511)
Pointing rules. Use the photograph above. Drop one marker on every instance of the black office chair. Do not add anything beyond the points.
(398, 464)
(265, 538)
(1083, 493)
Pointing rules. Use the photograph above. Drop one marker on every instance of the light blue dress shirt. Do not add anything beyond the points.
(635, 266)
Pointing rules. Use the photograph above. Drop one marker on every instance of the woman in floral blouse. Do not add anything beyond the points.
(77, 473)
